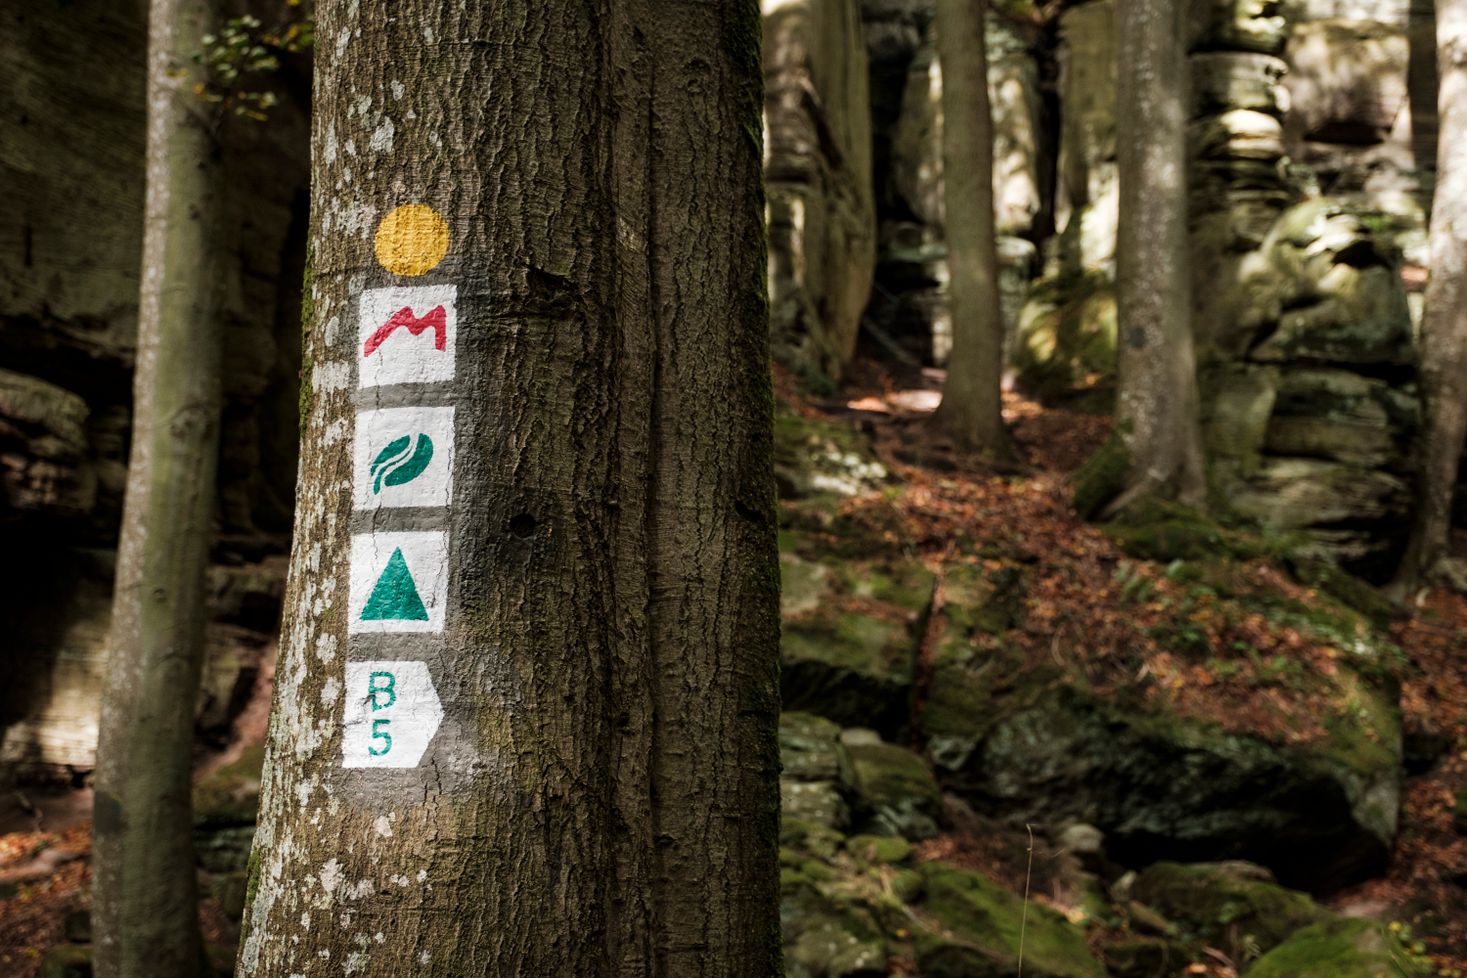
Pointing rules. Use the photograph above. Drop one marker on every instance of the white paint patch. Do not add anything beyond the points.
(407, 335)
(404, 457)
(390, 715)
(399, 582)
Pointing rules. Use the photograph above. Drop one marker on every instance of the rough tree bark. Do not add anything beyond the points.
(1158, 448)
(144, 905)
(578, 185)
(1444, 322)
(971, 410)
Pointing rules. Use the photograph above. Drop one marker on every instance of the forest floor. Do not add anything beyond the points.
(1084, 585)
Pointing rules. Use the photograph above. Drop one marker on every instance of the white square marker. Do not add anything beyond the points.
(390, 714)
(407, 335)
(399, 582)
(403, 457)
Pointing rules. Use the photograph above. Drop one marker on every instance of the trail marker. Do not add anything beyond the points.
(403, 457)
(390, 714)
(407, 335)
(399, 582)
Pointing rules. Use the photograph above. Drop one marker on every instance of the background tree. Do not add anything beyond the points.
(971, 409)
(1444, 321)
(1158, 447)
(600, 798)
(144, 904)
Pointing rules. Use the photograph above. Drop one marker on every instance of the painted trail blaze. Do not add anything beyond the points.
(395, 597)
(436, 320)
(395, 465)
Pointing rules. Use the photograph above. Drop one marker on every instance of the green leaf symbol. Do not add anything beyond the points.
(401, 461)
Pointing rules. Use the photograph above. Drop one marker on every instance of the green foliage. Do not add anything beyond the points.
(237, 60)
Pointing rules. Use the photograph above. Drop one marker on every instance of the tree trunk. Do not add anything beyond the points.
(1444, 322)
(525, 719)
(971, 410)
(144, 904)
(1156, 409)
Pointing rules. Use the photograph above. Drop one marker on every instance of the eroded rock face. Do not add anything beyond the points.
(1308, 128)
(910, 299)
(70, 250)
(45, 461)
(1311, 403)
(822, 216)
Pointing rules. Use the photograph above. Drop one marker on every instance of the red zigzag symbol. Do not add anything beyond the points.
(437, 320)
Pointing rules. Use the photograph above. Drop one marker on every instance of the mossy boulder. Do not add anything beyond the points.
(1172, 787)
(1233, 906)
(809, 747)
(1066, 335)
(961, 688)
(809, 789)
(814, 457)
(849, 640)
(1341, 949)
(976, 926)
(893, 790)
(826, 937)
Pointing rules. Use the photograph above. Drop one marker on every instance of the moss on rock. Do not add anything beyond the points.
(1236, 907)
(977, 933)
(893, 789)
(1341, 949)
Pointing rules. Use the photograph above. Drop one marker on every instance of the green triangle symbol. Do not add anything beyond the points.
(395, 598)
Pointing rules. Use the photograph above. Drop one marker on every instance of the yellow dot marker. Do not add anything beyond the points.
(412, 239)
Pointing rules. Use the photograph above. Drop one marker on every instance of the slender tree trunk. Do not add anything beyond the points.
(1444, 324)
(1156, 410)
(971, 409)
(526, 704)
(144, 905)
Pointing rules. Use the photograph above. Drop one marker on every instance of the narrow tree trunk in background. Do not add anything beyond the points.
(144, 906)
(971, 409)
(1444, 322)
(1156, 408)
(526, 705)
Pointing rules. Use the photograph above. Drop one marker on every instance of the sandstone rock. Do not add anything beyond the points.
(1238, 134)
(45, 465)
(1227, 80)
(1238, 25)
(1014, 97)
(1087, 192)
(1345, 417)
(1240, 404)
(822, 217)
(1346, 81)
(1295, 493)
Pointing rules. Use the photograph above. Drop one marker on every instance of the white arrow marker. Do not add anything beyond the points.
(391, 714)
